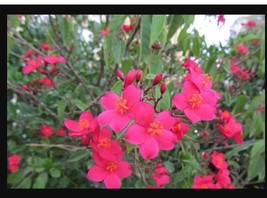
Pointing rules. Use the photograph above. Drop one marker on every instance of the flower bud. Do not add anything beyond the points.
(206, 155)
(205, 134)
(25, 87)
(156, 46)
(41, 71)
(85, 140)
(120, 74)
(138, 75)
(157, 79)
(54, 70)
(130, 77)
(163, 88)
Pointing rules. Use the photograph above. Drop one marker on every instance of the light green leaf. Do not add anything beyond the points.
(169, 165)
(61, 105)
(145, 29)
(176, 22)
(117, 87)
(236, 150)
(240, 103)
(118, 49)
(15, 178)
(26, 183)
(255, 167)
(196, 47)
(74, 157)
(55, 172)
(155, 65)
(80, 105)
(41, 180)
(158, 23)
(150, 76)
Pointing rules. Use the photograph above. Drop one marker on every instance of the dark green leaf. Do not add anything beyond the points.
(176, 22)
(196, 47)
(155, 65)
(80, 104)
(26, 183)
(158, 23)
(74, 157)
(169, 165)
(15, 178)
(117, 87)
(41, 180)
(145, 29)
(118, 49)
(61, 105)
(240, 103)
(55, 172)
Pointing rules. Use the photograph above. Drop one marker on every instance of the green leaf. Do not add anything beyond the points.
(165, 102)
(150, 76)
(169, 165)
(64, 182)
(236, 150)
(155, 65)
(163, 38)
(74, 157)
(256, 165)
(117, 87)
(253, 104)
(145, 29)
(186, 43)
(258, 148)
(210, 63)
(41, 180)
(61, 105)
(240, 103)
(55, 172)
(118, 49)
(196, 47)
(176, 22)
(248, 37)
(158, 23)
(80, 104)
(15, 178)
(126, 66)
(26, 183)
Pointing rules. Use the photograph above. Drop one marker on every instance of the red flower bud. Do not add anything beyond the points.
(25, 87)
(120, 74)
(205, 134)
(32, 83)
(138, 75)
(54, 70)
(163, 88)
(85, 140)
(41, 71)
(130, 77)
(156, 46)
(157, 78)
(206, 155)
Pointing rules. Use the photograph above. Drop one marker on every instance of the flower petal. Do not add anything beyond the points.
(106, 117)
(86, 115)
(180, 101)
(191, 115)
(124, 169)
(150, 148)
(72, 125)
(136, 134)
(166, 140)
(165, 119)
(189, 88)
(104, 133)
(108, 101)
(112, 181)
(208, 98)
(119, 122)
(143, 113)
(98, 160)
(132, 94)
(206, 112)
(96, 173)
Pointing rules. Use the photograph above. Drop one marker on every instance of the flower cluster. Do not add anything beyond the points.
(220, 178)
(48, 131)
(13, 162)
(45, 65)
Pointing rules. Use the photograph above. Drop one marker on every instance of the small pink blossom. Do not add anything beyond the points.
(47, 130)
(220, 19)
(242, 49)
(180, 129)
(161, 175)
(45, 46)
(61, 132)
(14, 161)
(218, 161)
(31, 65)
(54, 59)
(105, 31)
(203, 182)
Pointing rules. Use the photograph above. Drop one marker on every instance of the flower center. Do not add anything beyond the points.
(204, 186)
(111, 166)
(121, 105)
(226, 129)
(155, 128)
(83, 124)
(206, 80)
(195, 100)
(104, 143)
(177, 128)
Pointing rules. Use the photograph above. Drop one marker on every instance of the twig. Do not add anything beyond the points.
(62, 146)
(248, 57)
(133, 35)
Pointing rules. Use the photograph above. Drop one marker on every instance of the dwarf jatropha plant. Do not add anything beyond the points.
(132, 126)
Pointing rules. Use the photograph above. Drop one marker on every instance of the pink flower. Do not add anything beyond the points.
(117, 108)
(29, 54)
(218, 161)
(161, 175)
(180, 129)
(242, 49)
(231, 128)
(46, 46)
(25, 87)
(192, 66)
(225, 115)
(127, 28)
(86, 140)
(61, 132)
(54, 59)
(251, 23)
(105, 31)
(106, 147)
(110, 171)
(221, 19)
(223, 177)
(47, 130)
(203, 182)
(31, 65)
(14, 161)
(84, 126)
(151, 133)
(196, 105)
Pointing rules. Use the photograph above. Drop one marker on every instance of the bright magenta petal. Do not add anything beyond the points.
(190, 88)
(112, 181)
(143, 113)
(180, 101)
(191, 115)
(206, 112)
(132, 94)
(96, 173)
(108, 101)
(98, 160)
(119, 122)
(105, 133)
(72, 125)
(208, 98)
(124, 169)
(76, 134)
(86, 115)
(166, 119)
(106, 117)
(166, 140)
(150, 148)
(136, 134)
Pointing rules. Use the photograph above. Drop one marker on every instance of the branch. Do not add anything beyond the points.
(133, 35)
(248, 57)
(62, 146)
